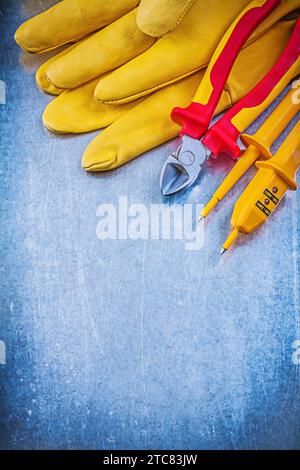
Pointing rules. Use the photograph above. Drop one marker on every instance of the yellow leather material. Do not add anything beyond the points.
(76, 111)
(169, 59)
(273, 43)
(102, 52)
(69, 21)
(41, 75)
(172, 66)
(158, 17)
(181, 52)
(149, 124)
(155, 63)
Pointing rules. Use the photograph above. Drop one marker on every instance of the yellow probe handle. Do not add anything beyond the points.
(239, 169)
(266, 135)
(287, 160)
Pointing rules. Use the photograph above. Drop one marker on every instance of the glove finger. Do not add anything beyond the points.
(178, 54)
(41, 77)
(144, 127)
(69, 21)
(181, 52)
(149, 124)
(76, 111)
(102, 52)
(158, 17)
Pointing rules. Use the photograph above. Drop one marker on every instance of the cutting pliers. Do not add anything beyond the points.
(199, 142)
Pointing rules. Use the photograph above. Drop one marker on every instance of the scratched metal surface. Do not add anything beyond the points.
(133, 344)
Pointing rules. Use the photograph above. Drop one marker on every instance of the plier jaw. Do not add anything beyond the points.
(183, 167)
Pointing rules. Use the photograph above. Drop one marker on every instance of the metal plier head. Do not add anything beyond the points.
(182, 168)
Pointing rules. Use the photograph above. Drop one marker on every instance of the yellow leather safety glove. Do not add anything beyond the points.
(76, 111)
(71, 20)
(155, 64)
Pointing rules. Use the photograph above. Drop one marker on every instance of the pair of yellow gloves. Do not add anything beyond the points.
(132, 61)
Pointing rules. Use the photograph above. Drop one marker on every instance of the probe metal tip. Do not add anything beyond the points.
(200, 218)
(223, 251)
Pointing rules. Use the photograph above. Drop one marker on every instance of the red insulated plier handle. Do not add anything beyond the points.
(223, 136)
(196, 118)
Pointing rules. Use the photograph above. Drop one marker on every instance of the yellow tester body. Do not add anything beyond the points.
(267, 188)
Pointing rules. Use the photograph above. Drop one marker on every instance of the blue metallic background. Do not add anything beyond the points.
(133, 344)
